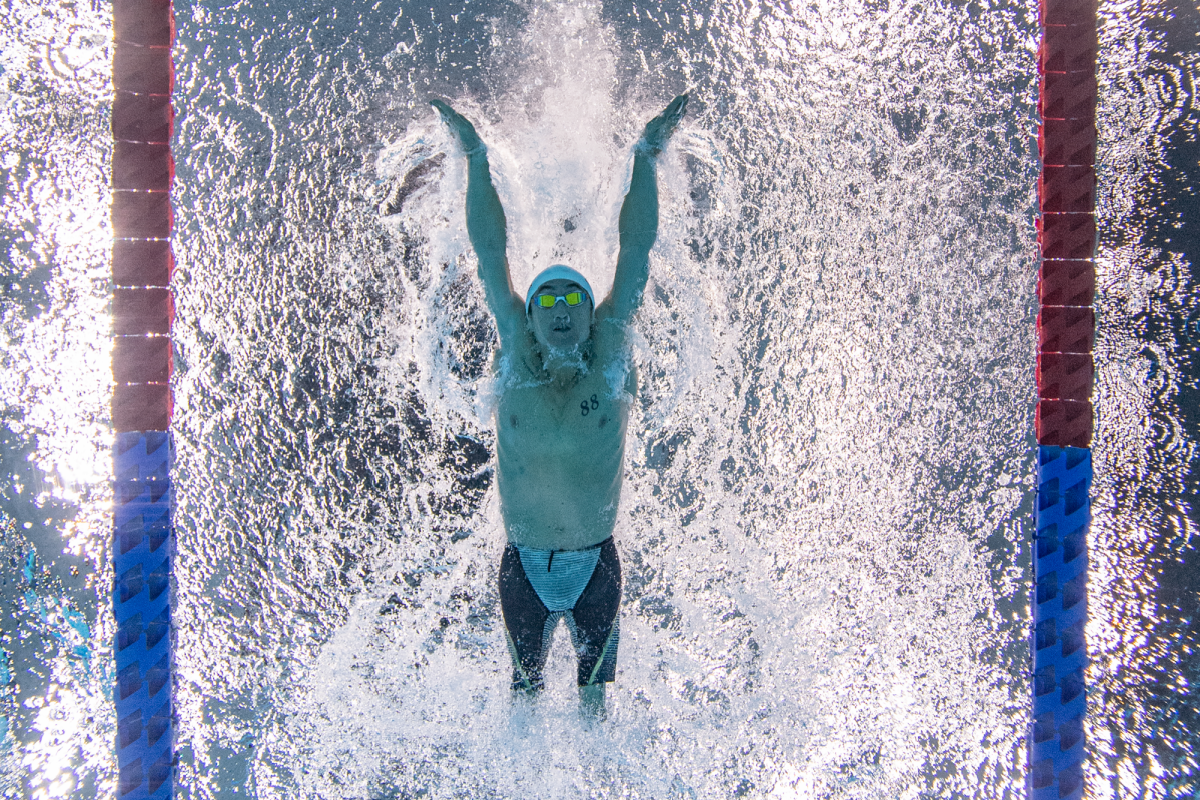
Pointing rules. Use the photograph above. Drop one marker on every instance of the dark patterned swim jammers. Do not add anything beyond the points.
(583, 587)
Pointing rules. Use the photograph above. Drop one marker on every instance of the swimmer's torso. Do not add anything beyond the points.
(560, 454)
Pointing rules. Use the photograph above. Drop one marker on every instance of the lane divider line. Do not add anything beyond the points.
(143, 311)
(1063, 420)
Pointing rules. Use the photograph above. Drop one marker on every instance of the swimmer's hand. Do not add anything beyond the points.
(659, 129)
(462, 127)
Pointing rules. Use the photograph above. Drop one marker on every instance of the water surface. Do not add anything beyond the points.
(828, 497)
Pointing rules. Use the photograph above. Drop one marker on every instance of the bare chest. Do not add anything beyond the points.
(548, 420)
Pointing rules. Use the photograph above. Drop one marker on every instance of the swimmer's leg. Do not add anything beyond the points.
(591, 701)
(526, 620)
(596, 630)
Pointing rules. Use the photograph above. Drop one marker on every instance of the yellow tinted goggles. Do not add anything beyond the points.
(549, 300)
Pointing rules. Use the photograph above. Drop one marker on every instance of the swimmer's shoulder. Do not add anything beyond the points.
(515, 366)
(612, 361)
(610, 330)
(610, 341)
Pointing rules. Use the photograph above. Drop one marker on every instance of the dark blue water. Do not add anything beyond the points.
(1145, 550)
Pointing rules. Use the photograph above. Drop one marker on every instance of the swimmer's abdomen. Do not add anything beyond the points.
(559, 469)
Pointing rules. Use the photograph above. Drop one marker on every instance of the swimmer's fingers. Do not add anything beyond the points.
(659, 129)
(462, 127)
(458, 123)
(674, 111)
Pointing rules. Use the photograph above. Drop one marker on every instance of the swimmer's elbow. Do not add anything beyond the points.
(638, 241)
(633, 266)
(491, 254)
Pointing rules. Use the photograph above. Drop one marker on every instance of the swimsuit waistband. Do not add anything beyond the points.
(560, 576)
(523, 548)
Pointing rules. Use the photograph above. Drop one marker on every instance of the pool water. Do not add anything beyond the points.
(829, 482)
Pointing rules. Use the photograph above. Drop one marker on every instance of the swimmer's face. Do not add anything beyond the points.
(562, 327)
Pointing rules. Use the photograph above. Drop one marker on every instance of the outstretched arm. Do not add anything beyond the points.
(638, 224)
(486, 225)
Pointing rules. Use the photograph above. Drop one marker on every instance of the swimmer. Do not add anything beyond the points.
(565, 383)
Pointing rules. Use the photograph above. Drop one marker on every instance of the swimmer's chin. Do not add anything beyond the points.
(572, 356)
(563, 339)
(561, 348)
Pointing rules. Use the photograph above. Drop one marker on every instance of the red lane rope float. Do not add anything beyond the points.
(1063, 420)
(143, 310)
(142, 173)
(1067, 226)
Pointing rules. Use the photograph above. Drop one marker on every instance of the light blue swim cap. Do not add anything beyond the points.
(555, 273)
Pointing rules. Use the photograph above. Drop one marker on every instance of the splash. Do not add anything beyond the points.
(808, 593)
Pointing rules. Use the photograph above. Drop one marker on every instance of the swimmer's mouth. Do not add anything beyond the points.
(562, 328)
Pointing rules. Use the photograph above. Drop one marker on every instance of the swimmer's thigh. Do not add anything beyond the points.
(595, 617)
(525, 617)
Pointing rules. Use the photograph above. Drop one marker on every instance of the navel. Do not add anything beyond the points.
(603, 420)
(513, 419)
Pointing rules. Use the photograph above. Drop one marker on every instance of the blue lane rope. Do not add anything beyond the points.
(142, 550)
(1056, 741)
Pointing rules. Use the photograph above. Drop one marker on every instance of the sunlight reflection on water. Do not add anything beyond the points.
(56, 699)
